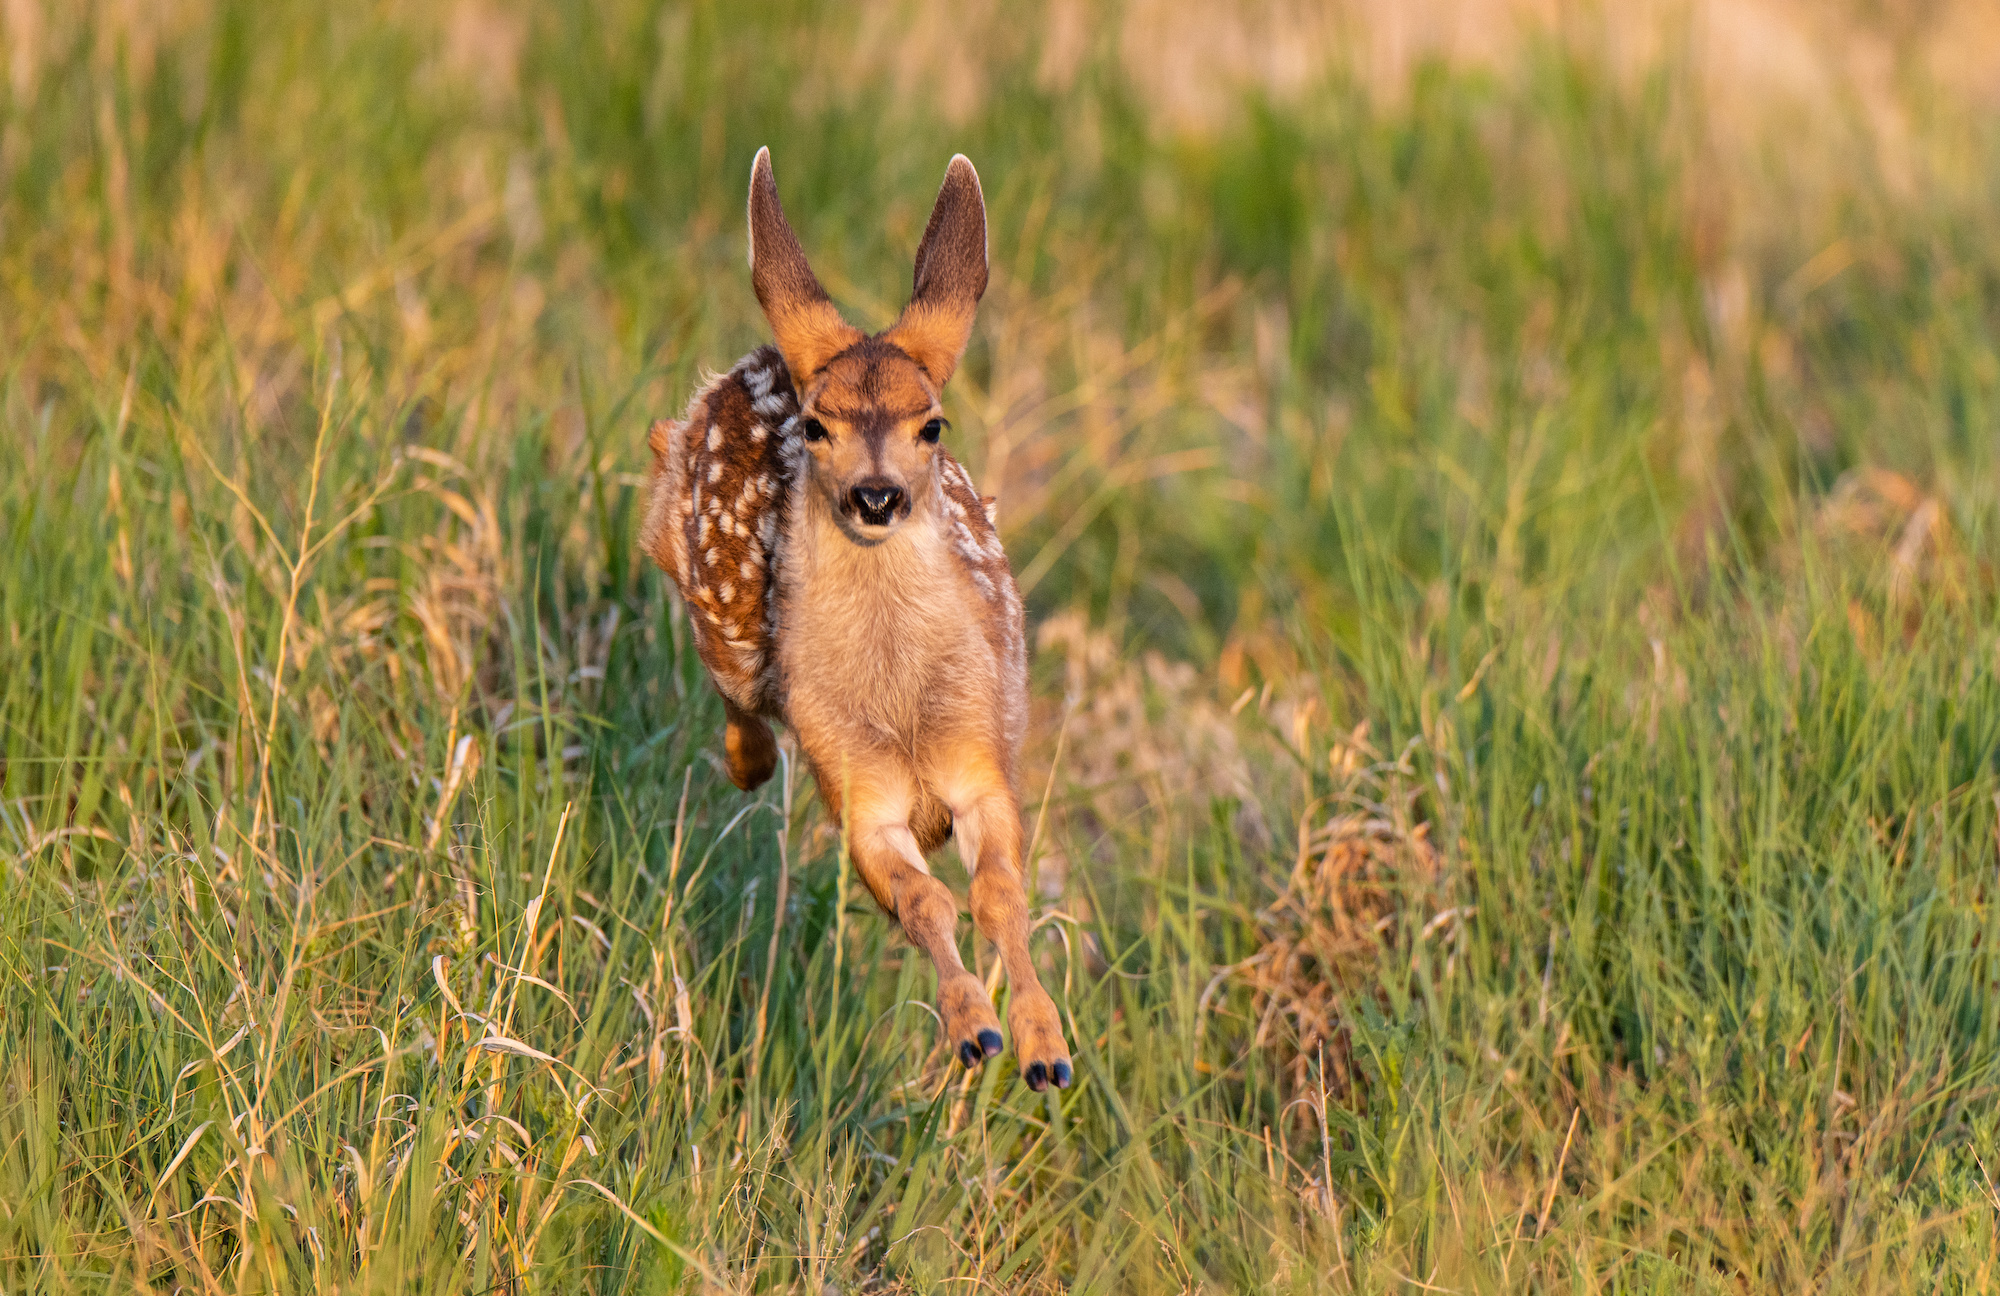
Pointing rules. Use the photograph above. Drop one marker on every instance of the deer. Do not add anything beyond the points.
(843, 576)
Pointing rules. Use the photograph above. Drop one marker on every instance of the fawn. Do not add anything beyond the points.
(842, 575)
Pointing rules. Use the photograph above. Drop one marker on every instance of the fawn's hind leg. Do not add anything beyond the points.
(751, 750)
(885, 853)
(987, 820)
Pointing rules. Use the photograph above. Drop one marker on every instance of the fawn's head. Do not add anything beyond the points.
(868, 406)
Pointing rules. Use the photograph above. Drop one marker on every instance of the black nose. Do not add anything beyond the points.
(877, 501)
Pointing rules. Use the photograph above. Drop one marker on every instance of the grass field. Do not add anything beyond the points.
(1516, 786)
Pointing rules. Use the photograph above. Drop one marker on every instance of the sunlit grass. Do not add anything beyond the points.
(1515, 794)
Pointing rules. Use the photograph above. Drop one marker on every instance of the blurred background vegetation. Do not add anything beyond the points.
(1507, 492)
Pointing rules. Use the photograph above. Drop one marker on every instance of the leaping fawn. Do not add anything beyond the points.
(842, 575)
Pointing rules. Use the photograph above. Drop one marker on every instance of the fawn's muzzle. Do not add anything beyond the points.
(876, 502)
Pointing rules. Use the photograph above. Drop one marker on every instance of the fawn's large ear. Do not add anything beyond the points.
(951, 276)
(809, 330)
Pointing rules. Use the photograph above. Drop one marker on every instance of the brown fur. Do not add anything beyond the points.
(950, 277)
(893, 644)
(809, 330)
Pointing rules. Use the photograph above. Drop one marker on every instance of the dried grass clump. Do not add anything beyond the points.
(1875, 506)
(1357, 874)
(1147, 740)
(1884, 524)
(1144, 734)
(460, 597)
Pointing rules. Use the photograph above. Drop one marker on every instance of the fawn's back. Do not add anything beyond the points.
(721, 486)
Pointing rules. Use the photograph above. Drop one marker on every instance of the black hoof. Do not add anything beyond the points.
(969, 1053)
(989, 1040)
(1037, 1076)
(1061, 1073)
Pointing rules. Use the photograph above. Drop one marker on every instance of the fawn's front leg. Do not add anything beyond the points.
(987, 820)
(885, 853)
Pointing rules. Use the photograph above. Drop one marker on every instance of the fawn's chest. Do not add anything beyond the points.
(878, 637)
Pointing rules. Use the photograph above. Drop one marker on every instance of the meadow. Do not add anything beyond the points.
(1509, 528)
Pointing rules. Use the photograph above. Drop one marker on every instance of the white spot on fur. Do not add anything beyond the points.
(758, 433)
(715, 472)
(748, 569)
(728, 591)
(714, 436)
(759, 382)
(701, 533)
(769, 406)
(709, 557)
(968, 544)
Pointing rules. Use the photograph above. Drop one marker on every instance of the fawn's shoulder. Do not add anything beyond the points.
(970, 524)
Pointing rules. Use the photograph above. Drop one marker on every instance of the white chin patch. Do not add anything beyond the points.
(872, 531)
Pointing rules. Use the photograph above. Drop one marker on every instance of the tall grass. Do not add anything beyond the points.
(1515, 799)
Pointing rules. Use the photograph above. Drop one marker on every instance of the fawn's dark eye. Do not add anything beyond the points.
(932, 431)
(813, 429)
